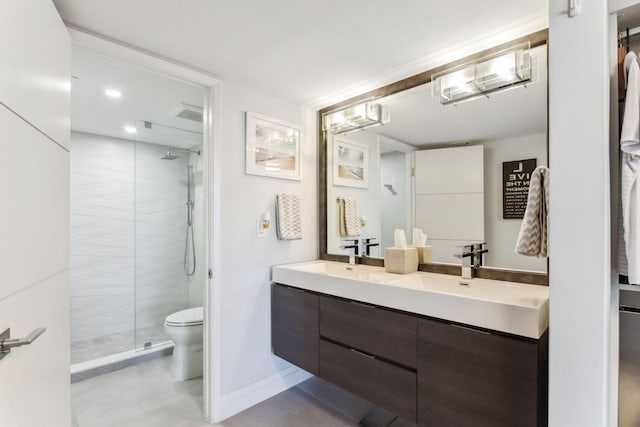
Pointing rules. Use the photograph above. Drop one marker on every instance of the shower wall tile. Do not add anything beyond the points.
(196, 288)
(100, 315)
(101, 275)
(153, 309)
(102, 236)
(160, 228)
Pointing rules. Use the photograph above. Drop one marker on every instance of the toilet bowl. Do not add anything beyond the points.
(185, 329)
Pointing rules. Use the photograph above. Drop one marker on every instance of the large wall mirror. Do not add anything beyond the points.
(437, 167)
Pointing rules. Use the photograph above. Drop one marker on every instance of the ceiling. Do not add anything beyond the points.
(418, 118)
(298, 50)
(146, 96)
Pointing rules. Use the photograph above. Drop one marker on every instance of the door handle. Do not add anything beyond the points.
(7, 343)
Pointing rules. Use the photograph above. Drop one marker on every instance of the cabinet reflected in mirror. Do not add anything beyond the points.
(440, 168)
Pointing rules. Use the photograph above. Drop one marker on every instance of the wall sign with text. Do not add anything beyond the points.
(516, 176)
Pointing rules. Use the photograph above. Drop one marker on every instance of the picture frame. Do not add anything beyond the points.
(273, 148)
(350, 164)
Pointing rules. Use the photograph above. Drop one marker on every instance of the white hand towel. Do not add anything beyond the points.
(288, 216)
(532, 239)
(349, 217)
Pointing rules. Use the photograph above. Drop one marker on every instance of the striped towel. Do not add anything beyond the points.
(532, 239)
(349, 217)
(288, 216)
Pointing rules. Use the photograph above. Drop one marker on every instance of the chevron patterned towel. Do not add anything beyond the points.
(349, 217)
(532, 239)
(288, 216)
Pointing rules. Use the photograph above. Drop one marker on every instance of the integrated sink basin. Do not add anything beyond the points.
(515, 308)
(345, 271)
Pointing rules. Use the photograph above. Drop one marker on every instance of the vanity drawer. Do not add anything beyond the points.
(383, 333)
(382, 383)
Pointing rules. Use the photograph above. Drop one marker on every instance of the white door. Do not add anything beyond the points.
(34, 212)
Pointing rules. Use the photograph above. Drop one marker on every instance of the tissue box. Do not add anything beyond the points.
(425, 254)
(401, 261)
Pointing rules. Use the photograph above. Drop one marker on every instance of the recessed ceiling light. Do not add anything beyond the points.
(130, 129)
(113, 93)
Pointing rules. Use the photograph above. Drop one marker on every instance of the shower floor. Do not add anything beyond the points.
(95, 348)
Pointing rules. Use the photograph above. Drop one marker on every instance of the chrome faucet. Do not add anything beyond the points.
(356, 249)
(471, 258)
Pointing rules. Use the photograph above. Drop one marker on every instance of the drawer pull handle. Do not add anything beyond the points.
(627, 309)
(363, 354)
(471, 329)
(362, 304)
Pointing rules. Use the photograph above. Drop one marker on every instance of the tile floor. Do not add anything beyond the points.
(144, 395)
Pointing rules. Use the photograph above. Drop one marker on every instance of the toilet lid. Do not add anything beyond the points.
(189, 317)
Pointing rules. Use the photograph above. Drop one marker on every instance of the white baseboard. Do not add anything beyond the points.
(252, 394)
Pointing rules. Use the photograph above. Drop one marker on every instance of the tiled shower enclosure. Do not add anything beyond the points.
(128, 225)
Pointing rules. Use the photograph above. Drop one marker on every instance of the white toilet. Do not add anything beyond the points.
(185, 329)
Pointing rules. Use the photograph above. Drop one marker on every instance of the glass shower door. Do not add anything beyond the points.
(165, 199)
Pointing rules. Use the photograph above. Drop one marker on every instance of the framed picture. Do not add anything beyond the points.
(273, 148)
(350, 164)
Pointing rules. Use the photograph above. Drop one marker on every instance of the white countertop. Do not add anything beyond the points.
(515, 308)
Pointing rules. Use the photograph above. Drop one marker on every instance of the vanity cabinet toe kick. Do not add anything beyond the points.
(428, 371)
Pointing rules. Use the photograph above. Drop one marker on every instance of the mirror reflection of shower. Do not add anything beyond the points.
(189, 262)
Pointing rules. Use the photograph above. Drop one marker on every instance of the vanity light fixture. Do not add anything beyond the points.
(356, 117)
(501, 71)
(130, 129)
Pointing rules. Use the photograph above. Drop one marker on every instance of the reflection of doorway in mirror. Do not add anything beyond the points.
(395, 189)
(393, 195)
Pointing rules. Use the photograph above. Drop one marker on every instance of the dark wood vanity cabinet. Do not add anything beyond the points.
(426, 370)
(294, 326)
(473, 377)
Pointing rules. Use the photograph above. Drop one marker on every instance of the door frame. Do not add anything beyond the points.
(211, 149)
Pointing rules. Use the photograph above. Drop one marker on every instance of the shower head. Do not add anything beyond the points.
(169, 156)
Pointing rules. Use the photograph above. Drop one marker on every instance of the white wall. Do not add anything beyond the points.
(128, 224)
(499, 233)
(246, 363)
(579, 223)
(368, 198)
